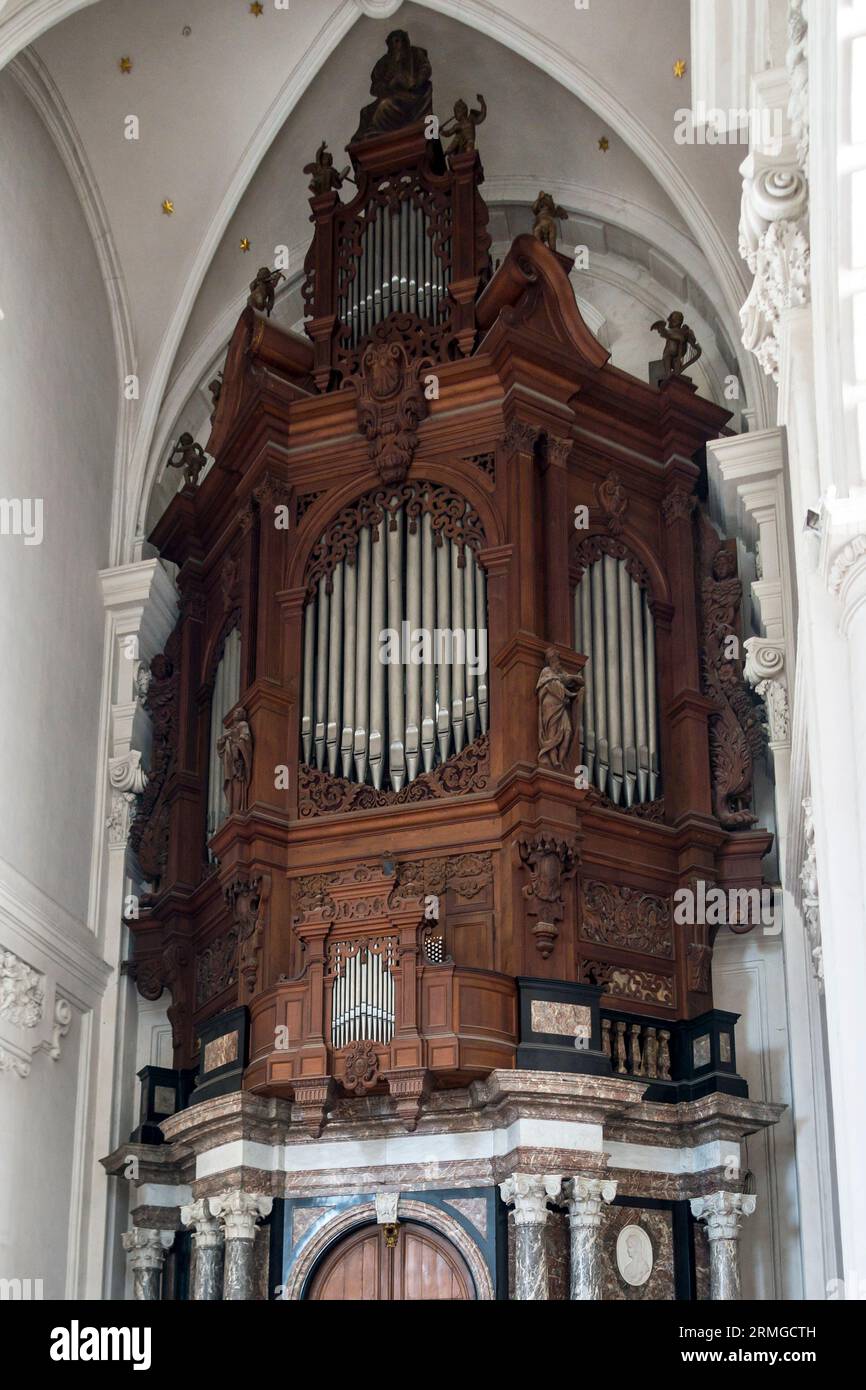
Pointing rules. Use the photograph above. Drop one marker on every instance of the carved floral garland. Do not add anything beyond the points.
(451, 516)
(321, 794)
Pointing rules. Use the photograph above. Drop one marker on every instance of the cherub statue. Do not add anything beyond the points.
(462, 126)
(679, 341)
(556, 691)
(547, 213)
(235, 748)
(263, 289)
(189, 456)
(323, 176)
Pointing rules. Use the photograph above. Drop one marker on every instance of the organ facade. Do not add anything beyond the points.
(452, 715)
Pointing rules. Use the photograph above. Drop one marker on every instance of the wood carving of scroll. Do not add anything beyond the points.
(736, 733)
(644, 986)
(452, 519)
(466, 874)
(321, 794)
(550, 862)
(591, 548)
(617, 916)
(391, 405)
(149, 834)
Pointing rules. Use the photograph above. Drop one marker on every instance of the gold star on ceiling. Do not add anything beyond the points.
(680, 67)
(125, 65)
(167, 206)
(604, 144)
(245, 243)
(256, 8)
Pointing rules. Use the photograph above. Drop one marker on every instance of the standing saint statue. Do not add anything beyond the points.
(235, 749)
(556, 691)
(402, 84)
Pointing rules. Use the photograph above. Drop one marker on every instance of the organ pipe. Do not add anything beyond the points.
(386, 721)
(614, 628)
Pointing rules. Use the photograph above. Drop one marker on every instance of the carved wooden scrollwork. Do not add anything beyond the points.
(549, 861)
(320, 794)
(627, 917)
(466, 874)
(592, 548)
(737, 735)
(451, 516)
(391, 404)
(361, 1067)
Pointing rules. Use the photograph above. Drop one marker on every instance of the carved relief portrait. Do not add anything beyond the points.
(634, 1256)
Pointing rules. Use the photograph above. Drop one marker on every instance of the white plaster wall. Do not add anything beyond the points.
(749, 979)
(58, 394)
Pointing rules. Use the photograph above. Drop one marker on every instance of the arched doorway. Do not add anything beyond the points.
(370, 1264)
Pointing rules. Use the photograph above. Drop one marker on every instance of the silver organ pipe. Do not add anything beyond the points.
(347, 734)
(396, 749)
(335, 646)
(614, 628)
(362, 991)
(413, 672)
(428, 622)
(361, 664)
(458, 644)
(225, 694)
(396, 270)
(377, 669)
(395, 678)
(443, 622)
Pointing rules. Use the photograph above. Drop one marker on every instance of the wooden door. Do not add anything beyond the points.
(364, 1267)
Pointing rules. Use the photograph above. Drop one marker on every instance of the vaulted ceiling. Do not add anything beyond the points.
(231, 104)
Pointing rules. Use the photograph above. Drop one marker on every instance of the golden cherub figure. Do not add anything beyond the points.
(680, 341)
(547, 213)
(189, 456)
(323, 176)
(462, 125)
(263, 289)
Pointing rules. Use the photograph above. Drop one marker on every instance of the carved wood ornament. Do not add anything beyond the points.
(550, 862)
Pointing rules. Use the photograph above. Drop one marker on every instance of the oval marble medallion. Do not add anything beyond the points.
(634, 1255)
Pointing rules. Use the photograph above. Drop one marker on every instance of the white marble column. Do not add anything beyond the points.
(722, 1212)
(145, 1249)
(529, 1194)
(209, 1250)
(584, 1197)
(239, 1213)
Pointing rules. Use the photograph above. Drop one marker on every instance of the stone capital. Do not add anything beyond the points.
(585, 1196)
(723, 1212)
(207, 1230)
(146, 1247)
(529, 1194)
(240, 1213)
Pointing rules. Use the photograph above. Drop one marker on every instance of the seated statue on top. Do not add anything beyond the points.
(402, 84)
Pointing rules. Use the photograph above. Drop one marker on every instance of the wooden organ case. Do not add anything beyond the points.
(386, 862)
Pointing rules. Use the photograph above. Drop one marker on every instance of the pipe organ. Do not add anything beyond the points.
(420, 659)
(396, 268)
(395, 646)
(614, 626)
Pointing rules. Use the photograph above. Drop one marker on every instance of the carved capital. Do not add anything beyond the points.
(146, 1247)
(240, 1213)
(584, 1197)
(520, 437)
(207, 1231)
(529, 1194)
(677, 505)
(722, 1212)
